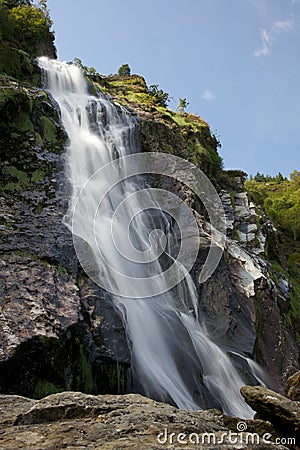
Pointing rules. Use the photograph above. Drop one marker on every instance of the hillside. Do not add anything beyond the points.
(280, 200)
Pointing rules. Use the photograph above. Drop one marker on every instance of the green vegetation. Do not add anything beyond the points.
(44, 388)
(183, 104)
(88, 71)
(17, 180)
(268, 178)
(83, 380)
(280, 199)
(160, 97)
(162, 129)
(30, 25)
(124, 70)
(49, 129)
(24, 27)
(28, 124)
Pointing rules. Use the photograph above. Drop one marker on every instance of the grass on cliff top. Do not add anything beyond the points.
(133, 90)
(190, 136)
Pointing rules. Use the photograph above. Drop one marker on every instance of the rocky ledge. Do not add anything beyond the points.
(74, 420)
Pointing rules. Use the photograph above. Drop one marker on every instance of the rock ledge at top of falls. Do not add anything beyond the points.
(74, 420)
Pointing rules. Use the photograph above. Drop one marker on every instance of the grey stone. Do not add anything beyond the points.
(283, 413)
(77, 421)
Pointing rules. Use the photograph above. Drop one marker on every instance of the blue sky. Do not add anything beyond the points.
(236, 61)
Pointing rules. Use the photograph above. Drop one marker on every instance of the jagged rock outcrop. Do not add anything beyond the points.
(293, 387)
(74, 420)
(283, 413)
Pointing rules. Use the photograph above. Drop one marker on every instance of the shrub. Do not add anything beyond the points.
(161, 97)
(124, 70)
(183, 104)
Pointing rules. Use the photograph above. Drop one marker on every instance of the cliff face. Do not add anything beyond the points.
(58, 330)
(245, 302)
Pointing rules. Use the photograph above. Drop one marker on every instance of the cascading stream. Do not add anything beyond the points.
(173, 358)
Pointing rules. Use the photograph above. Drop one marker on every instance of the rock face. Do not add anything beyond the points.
(60, 331)
(293, 387)
(57, 329)
(77, 421)
(282, 412)
(245, 301)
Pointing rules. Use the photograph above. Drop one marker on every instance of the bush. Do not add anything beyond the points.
(124, 70)
(161, 97)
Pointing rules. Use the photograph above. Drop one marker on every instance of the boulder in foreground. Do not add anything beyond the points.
(73, 420)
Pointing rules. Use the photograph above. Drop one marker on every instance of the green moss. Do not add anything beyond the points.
(20, 175)
(111, 378)
(23, 122)
(180, 120)
(84, 379)
(38, 139)
(169, 149)
(44, 388)
(292, 316)
(11, 187)
(49, 129)
(37, 175)
(235, 235)
(80, 279)
(61, 270)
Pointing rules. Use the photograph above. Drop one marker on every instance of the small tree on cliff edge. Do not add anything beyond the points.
(124, 70)
(183, 104)
(161, 98)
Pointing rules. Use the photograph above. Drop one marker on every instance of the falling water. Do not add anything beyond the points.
(173, 358)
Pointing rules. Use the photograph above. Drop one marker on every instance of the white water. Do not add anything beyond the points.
(173, 358)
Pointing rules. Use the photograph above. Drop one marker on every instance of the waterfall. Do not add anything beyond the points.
(173, 358)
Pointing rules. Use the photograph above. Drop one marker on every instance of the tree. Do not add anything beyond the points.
(6, 26)
(89, 71)
(295, 177)
(124, 70)
(161, 98)
(279, 178)
(259, 177)
(31, 26)
(183, 104)
(14, 3)
(43, 4)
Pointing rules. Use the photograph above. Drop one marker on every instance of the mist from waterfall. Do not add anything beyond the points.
(173, 358)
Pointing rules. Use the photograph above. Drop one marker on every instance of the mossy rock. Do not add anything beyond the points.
(43, 388)
(49, 129)
(18, 64)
